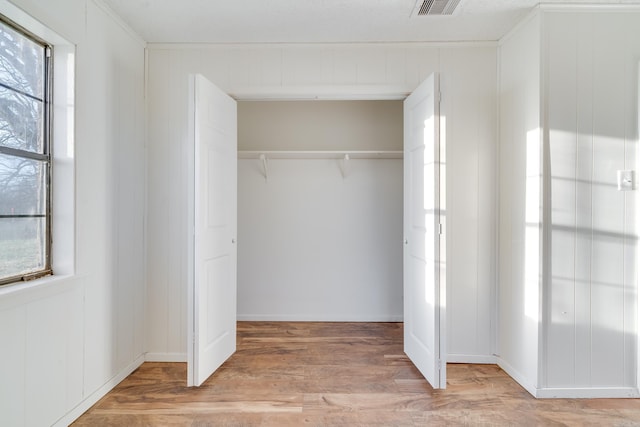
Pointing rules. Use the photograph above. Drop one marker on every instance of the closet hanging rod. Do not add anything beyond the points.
(320, 154)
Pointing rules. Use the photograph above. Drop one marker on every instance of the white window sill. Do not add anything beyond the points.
(40, 287)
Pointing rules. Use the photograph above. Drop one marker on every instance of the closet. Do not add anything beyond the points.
(320, 210)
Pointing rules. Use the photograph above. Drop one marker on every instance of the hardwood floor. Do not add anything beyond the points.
(337, 374)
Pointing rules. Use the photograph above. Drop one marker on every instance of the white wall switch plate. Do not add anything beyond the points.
(626, 180)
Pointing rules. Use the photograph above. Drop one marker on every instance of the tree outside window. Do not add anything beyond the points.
(24, 156)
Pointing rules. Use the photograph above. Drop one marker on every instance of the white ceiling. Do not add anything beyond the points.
(313, 21)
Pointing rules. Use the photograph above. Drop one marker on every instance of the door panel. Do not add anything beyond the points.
(423, 291)
(213, 216)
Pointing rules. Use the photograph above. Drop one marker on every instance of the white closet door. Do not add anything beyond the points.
(423, 291)
(212, 284)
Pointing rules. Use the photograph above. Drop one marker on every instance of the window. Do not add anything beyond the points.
(25, 158)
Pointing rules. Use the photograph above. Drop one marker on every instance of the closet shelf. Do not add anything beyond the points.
(320, 154)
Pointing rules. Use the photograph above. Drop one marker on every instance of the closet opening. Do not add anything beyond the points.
(320, 210)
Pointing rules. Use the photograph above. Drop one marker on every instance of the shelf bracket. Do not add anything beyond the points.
(263, 162)
(344, 165)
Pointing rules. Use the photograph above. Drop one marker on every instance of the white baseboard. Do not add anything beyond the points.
(91, 400)
(570, 392)
(588, 393)
(317, 318)
(165, 357)
(519, 378)
(470, 358)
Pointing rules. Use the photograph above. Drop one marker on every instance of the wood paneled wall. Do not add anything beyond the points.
(568, 238)
(591, 295)
(520, 205)
(468, 74)
(66, 341)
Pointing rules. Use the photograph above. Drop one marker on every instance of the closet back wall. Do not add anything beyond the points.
(314, 244)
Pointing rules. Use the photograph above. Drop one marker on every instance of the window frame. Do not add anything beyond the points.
(45, 157)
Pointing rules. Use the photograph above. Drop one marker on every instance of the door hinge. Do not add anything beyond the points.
(440, 229)
(439, 364)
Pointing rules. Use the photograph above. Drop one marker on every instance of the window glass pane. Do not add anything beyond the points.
(22, 245)
(22, 186)
(24, 182)
(21, 62)
(21, 120)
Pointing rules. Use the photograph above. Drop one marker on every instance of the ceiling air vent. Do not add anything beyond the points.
(436, 7)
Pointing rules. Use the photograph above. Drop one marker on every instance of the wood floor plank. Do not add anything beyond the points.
(391, 402)
(337, 374)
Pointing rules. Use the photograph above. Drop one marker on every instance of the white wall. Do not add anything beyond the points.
(320, 125)
(333, 71)
(66, 342)
(568, 239)
(592, 65)
(469, 106)
(313, 245)
(520, 166)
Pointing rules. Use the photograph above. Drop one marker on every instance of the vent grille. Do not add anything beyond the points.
(437, 7)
